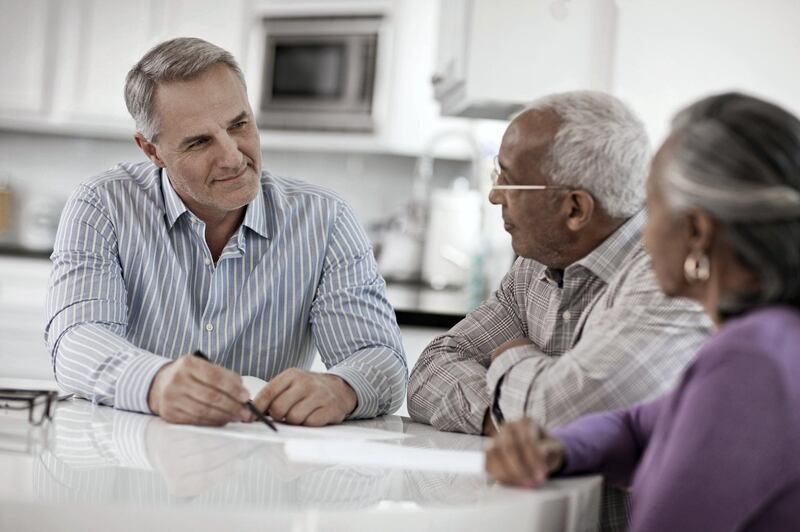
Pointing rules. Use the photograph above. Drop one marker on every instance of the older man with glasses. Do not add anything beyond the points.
(579, 323)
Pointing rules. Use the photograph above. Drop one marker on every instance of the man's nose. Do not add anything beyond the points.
(496, 196)
(229, 154)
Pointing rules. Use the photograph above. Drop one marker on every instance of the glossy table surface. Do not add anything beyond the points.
(96, 468)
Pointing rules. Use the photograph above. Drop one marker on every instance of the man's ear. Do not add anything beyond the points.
(149, 149)
(579, 206)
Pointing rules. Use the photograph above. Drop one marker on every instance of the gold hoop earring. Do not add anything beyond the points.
(697, 267)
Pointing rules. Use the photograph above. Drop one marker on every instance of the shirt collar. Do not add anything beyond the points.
(604, 261)
(255, 217)
(173, 204)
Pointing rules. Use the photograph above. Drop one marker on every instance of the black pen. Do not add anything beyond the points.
(249, 403)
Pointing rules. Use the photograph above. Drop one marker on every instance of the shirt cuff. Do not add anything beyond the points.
(502, 365)
(366, 394)
(133, 385)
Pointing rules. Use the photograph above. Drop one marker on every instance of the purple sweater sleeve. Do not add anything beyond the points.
(707, 456)
(610, 443)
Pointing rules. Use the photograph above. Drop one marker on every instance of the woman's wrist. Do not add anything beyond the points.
(554, 454)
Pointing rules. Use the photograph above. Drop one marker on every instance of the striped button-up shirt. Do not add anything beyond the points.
(134, 286)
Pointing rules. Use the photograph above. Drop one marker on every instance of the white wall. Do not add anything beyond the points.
(672, 52)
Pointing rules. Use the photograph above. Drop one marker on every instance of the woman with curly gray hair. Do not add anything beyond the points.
(721, 451)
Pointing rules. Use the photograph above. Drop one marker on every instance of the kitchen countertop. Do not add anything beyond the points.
(97, 468)
(414, 304)
(12, 249)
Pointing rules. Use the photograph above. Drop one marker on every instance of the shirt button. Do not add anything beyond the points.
(567, 315)
(207, 261)
(209, 327)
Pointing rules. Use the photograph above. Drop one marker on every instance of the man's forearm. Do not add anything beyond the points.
(448, 392)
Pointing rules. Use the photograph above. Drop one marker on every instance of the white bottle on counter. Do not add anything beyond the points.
(453, 235)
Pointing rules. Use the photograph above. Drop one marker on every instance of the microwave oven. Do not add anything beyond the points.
(319, 73)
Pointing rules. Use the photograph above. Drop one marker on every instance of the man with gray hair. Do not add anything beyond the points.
(173, 278)
(579, 323)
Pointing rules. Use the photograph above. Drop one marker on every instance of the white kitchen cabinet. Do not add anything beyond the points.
(100, 41)
(95, 43)
(496, 55)
(25, 43)
(452, 51)
(23, 288)
(66, 63)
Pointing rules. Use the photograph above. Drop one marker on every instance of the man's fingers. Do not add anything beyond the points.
(211, 403)
(193, 390)
(275, 387)
(304, 398)
(190, 401)
(283, 404)
(219, 378)
(322, 416)
(299, 412)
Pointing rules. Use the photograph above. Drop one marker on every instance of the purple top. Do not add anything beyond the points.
(721, 451)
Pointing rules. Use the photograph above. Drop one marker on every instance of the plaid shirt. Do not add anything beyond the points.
(603, 337)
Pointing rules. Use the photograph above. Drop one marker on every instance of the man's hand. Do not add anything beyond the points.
(192, 390)
(303, 398)
(522, 454)
(505, 346)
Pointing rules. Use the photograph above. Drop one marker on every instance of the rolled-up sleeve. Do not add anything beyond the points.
(87, 312)
(353, 324)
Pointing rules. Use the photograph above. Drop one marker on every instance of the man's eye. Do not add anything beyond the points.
(197, 143)
(239, 125)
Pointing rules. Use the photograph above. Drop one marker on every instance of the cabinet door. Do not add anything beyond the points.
(101, 40)
(451, 57)
(25, 41)
(221, 23)
(515, 51)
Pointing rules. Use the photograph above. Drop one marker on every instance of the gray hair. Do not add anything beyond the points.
(178, 59)
(738, 158)
(601, 146)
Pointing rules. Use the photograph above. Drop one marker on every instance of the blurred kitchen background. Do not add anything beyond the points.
(399, 105)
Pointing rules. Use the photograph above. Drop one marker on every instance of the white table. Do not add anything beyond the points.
(96, 468)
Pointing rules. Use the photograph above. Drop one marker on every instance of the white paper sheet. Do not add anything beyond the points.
(385, 455)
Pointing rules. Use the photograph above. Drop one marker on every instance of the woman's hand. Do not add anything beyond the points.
(522, 454)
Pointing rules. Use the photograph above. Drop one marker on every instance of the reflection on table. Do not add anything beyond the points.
(98, 463)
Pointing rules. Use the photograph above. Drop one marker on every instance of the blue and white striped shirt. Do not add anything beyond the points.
(134, 286)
